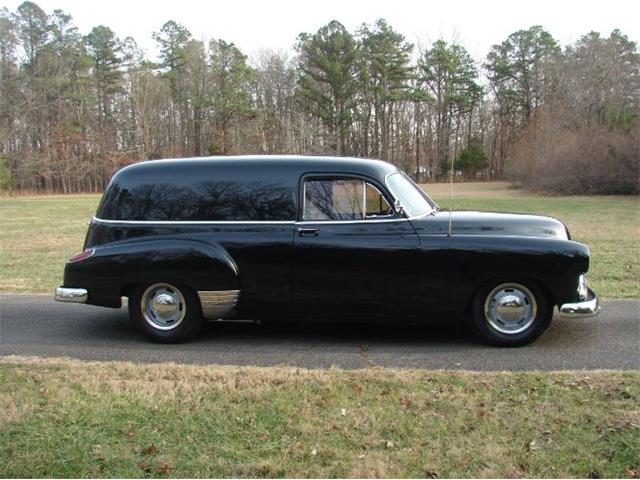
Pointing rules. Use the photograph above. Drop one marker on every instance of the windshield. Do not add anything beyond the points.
(414, 201)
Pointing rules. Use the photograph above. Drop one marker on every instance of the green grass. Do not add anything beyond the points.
(39, 233)
(72, 419)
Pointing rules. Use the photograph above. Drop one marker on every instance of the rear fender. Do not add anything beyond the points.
(114, 268)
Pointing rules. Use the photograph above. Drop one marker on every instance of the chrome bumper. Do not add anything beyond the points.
(587, 308)
(71, 295)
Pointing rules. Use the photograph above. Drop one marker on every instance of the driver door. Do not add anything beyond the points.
(353, 254)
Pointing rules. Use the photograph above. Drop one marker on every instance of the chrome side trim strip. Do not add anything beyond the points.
(192, 222)
(416, 217)
(239, 222)
(71, 295)
(218, 303)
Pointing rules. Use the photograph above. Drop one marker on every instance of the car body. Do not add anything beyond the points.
(263, 237)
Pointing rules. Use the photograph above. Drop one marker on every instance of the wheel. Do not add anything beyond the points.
(165, 313)
(511, 314)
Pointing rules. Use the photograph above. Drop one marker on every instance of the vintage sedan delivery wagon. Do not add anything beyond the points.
(297, 237)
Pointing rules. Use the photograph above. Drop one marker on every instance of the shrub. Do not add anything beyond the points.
(561, 158)
(472, 159)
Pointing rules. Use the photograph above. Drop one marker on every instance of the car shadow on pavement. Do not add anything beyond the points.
(115, 326)
(333, 332)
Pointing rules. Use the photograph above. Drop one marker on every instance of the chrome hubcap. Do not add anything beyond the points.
(163, 306)
(510, 308)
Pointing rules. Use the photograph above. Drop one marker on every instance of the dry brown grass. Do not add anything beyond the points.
(472, 189)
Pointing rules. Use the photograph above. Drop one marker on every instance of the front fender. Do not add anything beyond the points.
(114, 268)
(453, 268)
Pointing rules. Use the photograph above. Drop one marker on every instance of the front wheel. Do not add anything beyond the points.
(165, 313)
(511, 314)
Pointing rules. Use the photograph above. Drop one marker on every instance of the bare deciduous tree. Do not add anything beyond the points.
(73, 108)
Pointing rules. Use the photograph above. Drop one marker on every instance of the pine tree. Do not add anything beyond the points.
(231, 78)
(104, 49)
(328, 63)
(385, 74)
(449, 74)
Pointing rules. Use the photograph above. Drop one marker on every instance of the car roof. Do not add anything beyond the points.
(278, 164)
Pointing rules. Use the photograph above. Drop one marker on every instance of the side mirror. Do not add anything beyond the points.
(397, 206)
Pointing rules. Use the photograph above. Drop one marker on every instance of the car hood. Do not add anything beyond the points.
(491, 224)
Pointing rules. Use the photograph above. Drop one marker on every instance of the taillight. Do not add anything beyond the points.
(81, 256)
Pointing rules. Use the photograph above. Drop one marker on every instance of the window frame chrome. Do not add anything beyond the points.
(433, 204)
(392, 217)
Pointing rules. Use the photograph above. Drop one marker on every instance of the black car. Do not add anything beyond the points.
(300, 237)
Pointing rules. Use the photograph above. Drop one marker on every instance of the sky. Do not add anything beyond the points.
(275, 24)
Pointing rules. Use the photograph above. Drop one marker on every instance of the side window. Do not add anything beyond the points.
(377, 205)
(343, 199)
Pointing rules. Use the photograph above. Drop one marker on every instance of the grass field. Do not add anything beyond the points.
(62, 418)
(39, 233)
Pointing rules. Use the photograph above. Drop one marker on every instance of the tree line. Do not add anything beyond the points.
(74, 108)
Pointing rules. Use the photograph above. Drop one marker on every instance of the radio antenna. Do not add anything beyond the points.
(450, 194)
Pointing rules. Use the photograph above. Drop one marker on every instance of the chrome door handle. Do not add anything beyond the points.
(308, 232)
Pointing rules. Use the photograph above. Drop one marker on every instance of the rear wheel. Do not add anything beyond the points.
(511, 314)
(165, 313)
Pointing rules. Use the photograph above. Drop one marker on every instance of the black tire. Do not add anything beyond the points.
(183, 318)
(526, 308)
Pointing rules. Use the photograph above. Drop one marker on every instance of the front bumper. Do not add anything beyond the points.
(71, 295)
(585, 309)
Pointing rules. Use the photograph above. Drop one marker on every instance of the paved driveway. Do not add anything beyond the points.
(36, 325)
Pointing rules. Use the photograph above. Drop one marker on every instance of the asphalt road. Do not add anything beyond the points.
(35, 325)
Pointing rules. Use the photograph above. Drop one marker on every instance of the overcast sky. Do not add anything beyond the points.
(275, 24)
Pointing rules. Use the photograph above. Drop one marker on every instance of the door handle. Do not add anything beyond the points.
(308, 232)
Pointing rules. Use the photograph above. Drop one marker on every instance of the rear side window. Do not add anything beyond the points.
(200, 195)
(343, 199)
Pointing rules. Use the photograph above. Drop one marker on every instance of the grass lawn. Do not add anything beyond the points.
(61, 418)
(39, 233)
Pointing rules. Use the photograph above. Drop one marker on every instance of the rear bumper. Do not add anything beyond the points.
(585, 309)
(71, 295)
